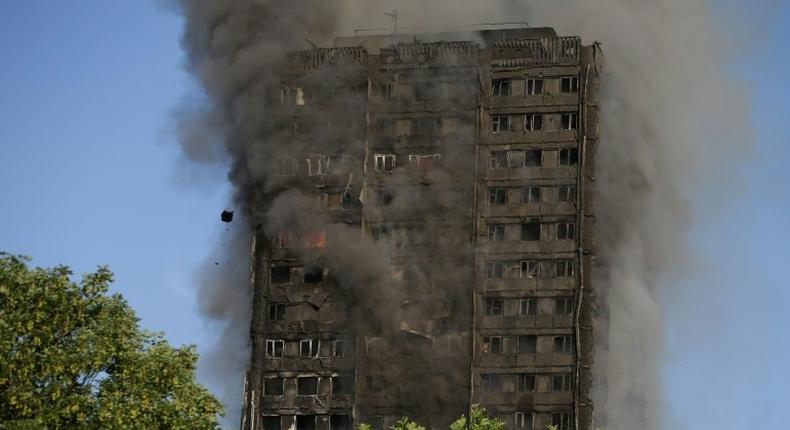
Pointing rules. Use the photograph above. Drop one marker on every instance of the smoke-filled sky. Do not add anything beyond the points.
(92, 176)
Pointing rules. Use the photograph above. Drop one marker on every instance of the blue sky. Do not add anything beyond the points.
(91, 176)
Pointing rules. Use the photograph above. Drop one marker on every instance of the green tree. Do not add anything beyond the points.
(406, 424)
(479, 420)
(73, 356)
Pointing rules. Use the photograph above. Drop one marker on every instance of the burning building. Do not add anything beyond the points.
(424, 233)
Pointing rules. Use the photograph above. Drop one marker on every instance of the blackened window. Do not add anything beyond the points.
(530, 195)
(500, 87)
(307, 385)
(533, 122)
(340, 422)
(561, 382)
(530, 231)
(562, 420)
(492, 344)
(277, 312)
(569, 121)
(498, 160)
(525, 382)
(569, 84)
(339, 348)
(567, 194)
(496, 232)
(563, 306)
(494, 307)
(309, 347)
(305, 422)
(313, 274)
(527, 344)
(497, 196)
(275, 348)
(534, 87)
(273, 386)
(500, 123)
(533, 158)
(491, 383)
(530, 269)
(565, 268)
(566, 231)
(272, 423)
(528, 307)
(281, 275)
(563, 344)
(341, 384)
(569, 157)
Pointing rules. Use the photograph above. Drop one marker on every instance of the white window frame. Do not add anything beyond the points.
(381, 165)
(497, 125)
(531, 89)
(273, 343)
(314, 346)
(317, 165)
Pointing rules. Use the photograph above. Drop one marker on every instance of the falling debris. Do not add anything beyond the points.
(227, 216)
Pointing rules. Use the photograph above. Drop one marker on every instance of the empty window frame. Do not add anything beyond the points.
(285, 166)
(566, 194)
(495, 270)
(561, 420)
(566, 231)
(308, 348)
(384, 163)
(280, 275)
(338, 348)
(527, 344)
(277, 312)
(569, 84)
(533, 122)
(563, 306)
(523, 421)
(500, 87)
(534, 87)
(491, 383)
(561, 382)
(493, 345)
(569, 157)
(340, 422)
(275, 348)
(530, 195)
(528, 307)
(500, 123)
(563, 344)
(307, 385)
(525, 383)
(569, 121)
(533, 158)
(272, 422)
(497, 160)
(495, 307)
(496, 232)
(530, 232)
(497, 196)
(305, 422)
(273, 386)
(313, 274)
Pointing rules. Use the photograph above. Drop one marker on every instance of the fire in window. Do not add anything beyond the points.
(530, 195)
(277, 312)
(315, 240)
(527, 344)
(495, 307)
(569, 84)
(273, 386)
(497, 196)
(563, 344)
(317, 165)
(533, 122)
(569, 121)
(500, 124)
(563, 306)
(497, 160)
(569, 157)
(534, 87)
(496, 232)
(561, 382)
(528, 307)
(567, 194)
(493, 345)
(384, 163)
(566, 231)
(500, 87)
(275, 348)
(308, 348)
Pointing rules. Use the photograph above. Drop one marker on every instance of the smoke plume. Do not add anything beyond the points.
(668, 104)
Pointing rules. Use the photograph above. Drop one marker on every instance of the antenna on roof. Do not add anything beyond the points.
(394, 16)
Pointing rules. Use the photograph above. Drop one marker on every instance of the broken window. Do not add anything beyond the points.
(313, 274)
(527, 344)
(494, 307)
(384, 163)
(566, 231)
(500, 123)
(308, 348)
(491, 383)
(315, 239)
(567, 194)
(569, 157)
(426, 126)
(496, 232)
(273, 386)
(497, 160)
(275, 348)
(497, 196)
(307, 385)
(561, 382)
(563, 306)
(533, 122)
(534, 87)
(281, 274)
(493, 345)
(277, 312)
(530, 269)
(530, 231)
(338, 348)
(525, 383)
(523, 421)
(317, 165)
(495, 270)
(566, 268)
(530, 195)
(569, 121)
(515, 159)
(561, 420)
(528, 307)
(340, 422)
(305, 422)
(533, 158)
(272, 422)
(569, 84)
(285, 166)
(500, 87)
(563, 344)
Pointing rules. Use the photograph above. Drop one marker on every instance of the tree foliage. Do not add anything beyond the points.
(478, 420)
(73, 356)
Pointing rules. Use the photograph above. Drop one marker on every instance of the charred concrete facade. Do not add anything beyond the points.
(467, 161)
